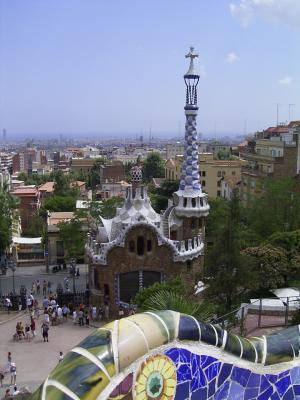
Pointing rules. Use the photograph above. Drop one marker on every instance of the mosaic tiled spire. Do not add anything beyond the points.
(190, 169)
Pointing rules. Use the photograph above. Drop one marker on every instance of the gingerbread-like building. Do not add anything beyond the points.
(139, 247)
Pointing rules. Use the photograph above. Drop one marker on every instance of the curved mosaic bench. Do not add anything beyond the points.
(166, 355)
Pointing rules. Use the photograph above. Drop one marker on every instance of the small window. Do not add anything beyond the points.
(193, 202)
(219, 193)
(140, 246)
(184, 202)
(149, 245)
(219, 174)
(203, 183)
(203, 173)
(219, 183)
(223, 173)
(188, 265)
(233, 173)
(131, 246)
(193, 223)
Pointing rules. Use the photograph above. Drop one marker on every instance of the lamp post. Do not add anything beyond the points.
(73, 265)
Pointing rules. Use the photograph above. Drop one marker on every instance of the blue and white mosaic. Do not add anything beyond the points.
(204, 377)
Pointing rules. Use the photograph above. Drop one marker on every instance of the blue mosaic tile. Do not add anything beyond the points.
(224, 373)
(254, 381)
(182, 391)
(204, 377)
(236, 391)
(206, 360)
(295, 375)
(200, 394)
(212, 371)
(212, 388)
(297, 389)
(240, 375)
(251, 394)
(222, 392)
(266, 394)
(282, 385)
(289, 395)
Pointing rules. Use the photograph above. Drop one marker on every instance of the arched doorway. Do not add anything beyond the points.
(131, 282)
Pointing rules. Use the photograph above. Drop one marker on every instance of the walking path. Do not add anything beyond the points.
(37, 358)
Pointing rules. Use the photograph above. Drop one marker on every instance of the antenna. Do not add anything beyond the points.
(290, 106)
(277, 112)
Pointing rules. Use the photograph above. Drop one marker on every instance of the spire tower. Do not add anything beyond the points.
(189, 200)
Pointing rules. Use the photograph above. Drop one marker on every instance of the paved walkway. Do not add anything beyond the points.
(36, 359)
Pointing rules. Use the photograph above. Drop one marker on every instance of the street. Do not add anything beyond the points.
(27, 275)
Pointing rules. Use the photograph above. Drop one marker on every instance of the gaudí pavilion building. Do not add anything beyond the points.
(139, 247)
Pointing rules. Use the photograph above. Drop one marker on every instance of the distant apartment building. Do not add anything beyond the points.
(23, 160)
(271, 154)
(29, 203)
(113, 171)
(114, 189)
(82, 164)
(229, 185)
(6, 162)
(217, 147)
(177, 149)
(90, 152)
(211, 171)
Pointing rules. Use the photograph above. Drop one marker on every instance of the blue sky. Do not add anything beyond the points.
(115, 67)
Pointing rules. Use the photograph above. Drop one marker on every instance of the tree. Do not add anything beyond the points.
(60, 203)
(228, 273)
(159, 196)
(272, 265)
(94, 175)
(36, 226)
(73, 237)
(153, 167)
(277, 208)
(7, 206)
(108, 207)
(170, 300)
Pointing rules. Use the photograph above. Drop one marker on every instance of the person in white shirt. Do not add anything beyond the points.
(16, 391)
(61, 356)
(59, 313)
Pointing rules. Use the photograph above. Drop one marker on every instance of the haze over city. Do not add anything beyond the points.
(111, 68)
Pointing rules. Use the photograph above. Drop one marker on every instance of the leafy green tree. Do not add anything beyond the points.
(60, 203)
(159, 196)
(153, 167)
(228, 273)
(73, 237)
(7, 206)
(277, 208)
(107, 208)
(272, 265)
(36, 226)
(61, 183)
(94, 175)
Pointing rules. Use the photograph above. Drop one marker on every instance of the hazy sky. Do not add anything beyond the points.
(98, 66)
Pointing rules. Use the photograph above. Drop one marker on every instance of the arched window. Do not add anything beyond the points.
(193, 223)
(149, 245)
(131, 246)
(193, 202)
(140, 246)
(184, 202)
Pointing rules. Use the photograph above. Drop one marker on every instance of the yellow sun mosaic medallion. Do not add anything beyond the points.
(156, 379)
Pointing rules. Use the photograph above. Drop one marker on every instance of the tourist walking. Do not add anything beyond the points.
(38, 287)
(80, 317)
(94, 313)
(61, 356)
(32, 327)
(44, 287)
(13, 373)
(74, 316)
(33, 287)
(45, 330)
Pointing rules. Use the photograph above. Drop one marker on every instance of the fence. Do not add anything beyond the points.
(77, 298)
(15, 301)
(261, 313)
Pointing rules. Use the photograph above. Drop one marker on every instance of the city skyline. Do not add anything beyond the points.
(69, 67)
